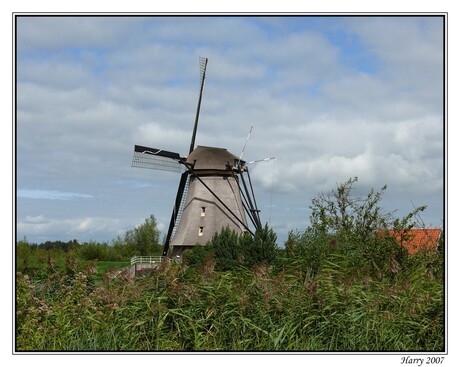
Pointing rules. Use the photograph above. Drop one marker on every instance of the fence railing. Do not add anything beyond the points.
(148, 259)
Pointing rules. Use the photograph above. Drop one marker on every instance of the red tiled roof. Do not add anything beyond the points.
(418, 239)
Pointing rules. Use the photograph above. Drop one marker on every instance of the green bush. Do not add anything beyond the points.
(95, 251)
(262, 248)
(197, 255)
(308, 250)
(227, 250)
(232, 250)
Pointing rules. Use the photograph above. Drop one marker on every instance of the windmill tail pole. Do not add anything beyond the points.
(203, 64)
(254, 210)
(246, 204)
(246, 143)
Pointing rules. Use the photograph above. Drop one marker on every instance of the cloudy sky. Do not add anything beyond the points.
(330, 97)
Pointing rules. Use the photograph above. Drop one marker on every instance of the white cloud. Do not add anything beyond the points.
(38, 219)
(84, 229)
(50, 194)
(55, 33)
(331, 98)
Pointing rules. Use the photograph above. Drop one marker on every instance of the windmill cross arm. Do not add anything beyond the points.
(158, 152)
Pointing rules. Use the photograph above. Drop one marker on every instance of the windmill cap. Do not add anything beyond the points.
(212, 158)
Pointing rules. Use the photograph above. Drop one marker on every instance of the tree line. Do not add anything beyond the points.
(143, 240)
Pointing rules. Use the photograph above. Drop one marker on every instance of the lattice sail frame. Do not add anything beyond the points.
(151, 158)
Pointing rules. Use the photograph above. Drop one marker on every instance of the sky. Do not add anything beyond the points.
(331, 97)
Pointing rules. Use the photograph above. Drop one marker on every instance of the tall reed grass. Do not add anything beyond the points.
(264, 308)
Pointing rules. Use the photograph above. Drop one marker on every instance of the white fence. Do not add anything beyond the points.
(148, 260)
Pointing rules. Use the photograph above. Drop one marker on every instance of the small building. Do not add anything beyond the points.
(420, 239)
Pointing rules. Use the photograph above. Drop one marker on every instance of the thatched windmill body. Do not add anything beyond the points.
(215, 189)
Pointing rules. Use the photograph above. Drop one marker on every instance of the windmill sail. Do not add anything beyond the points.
(145, 157)
(181, 206)
(183, 186)
(203, 64)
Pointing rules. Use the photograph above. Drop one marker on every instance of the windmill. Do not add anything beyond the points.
(215, 189)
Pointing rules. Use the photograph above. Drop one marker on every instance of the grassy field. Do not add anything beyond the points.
(39, 260)
(67, 307)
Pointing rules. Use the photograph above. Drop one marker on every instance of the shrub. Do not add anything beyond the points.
(307, 250)
(232, 250)
(95, 251)
(262, 248)
(196, 255)
(226, 246)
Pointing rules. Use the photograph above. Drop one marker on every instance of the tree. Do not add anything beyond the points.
(144, 239)
(339, 211)
(357, 226)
